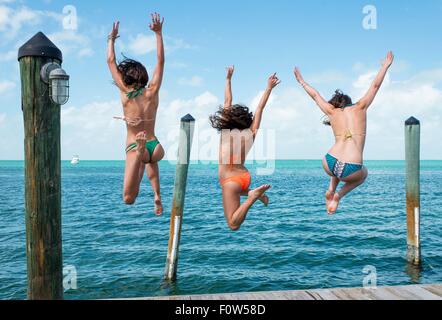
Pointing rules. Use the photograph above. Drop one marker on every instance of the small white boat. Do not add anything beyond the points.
(75, 160)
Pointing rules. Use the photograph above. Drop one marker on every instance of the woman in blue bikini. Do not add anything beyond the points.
(344, 161)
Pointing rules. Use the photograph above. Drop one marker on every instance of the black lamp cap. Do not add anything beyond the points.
(40, 46)
(412, 122)
(188, 118)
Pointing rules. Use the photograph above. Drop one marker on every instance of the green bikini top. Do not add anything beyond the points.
(135, 93)
(348, 106)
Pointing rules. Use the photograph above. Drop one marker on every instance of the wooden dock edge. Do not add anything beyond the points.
(411, 292)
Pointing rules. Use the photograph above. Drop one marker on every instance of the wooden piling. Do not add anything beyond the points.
(42, 172)
(412, 156)
(176, 220)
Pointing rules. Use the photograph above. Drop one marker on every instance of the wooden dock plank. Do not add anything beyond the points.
(383, 294)
(298, 295)
(413, 292)
(437, 290)
(402, 294)
(422, 293)
(352, 294)
(325, 294)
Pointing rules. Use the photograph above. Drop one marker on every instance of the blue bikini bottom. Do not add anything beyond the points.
(341, 170)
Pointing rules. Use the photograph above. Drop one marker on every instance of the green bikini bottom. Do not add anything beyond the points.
(150, 146)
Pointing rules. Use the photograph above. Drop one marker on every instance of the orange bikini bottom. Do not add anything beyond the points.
(244, 180)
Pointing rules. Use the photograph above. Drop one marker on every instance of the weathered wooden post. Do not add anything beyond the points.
(176, 220)
(42, 171)
(412, 156)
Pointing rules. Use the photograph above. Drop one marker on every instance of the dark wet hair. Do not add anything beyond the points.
(236, 117)
(339, 100)
(134, 73)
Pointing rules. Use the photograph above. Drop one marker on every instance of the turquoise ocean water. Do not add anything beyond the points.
(119, 251)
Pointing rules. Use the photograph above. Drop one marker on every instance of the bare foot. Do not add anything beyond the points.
(158, 207)
(334, 204)
(265, 199)
(328, 198)
(258, 193)
(141, 139)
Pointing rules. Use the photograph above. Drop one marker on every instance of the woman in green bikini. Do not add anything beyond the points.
(140, 99)
(344, 161)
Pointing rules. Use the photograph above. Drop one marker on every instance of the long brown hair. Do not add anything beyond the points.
(340, 101)
(134, 73)
(236, 117)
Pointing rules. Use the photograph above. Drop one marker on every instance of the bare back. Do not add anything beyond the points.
(349, 127)
(143, 107)
(235, 145)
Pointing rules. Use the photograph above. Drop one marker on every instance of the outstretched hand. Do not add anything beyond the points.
(157, 23)
(273, 81)
(230, 71)
(388, 61)
(298, 76)
(114, 33)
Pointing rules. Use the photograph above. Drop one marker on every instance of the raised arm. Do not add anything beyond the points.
(320, 101)
(157, 27)
(271, 84)
(367, 100)
(228, 92)
(111, 60)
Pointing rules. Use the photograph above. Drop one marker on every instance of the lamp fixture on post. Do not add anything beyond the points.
(58, 81)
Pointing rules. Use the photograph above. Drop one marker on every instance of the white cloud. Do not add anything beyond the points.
(296, 121)
(91, 132)
(195, 81)
(300, 133)
(9, 55)
(13, 20)
(6, 86)
(86, 52)
(143, 44)
(71, 41)
(2, 117)
(419, 96)
(176, 65)
(207, 99)
(364, 81)
(327, 77)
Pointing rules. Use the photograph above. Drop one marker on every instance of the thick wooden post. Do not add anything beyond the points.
(176, 220)
(412, 156)
(42, 172)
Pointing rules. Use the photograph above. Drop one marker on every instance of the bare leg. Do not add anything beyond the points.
(135, 169)
(132, 177)
(153, 173)
(234, 211)
(334, 182)
(351, 183)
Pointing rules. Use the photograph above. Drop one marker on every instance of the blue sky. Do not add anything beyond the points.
(325, 38)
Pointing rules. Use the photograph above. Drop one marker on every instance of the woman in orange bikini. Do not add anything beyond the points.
(238, 129)
(344, 162)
